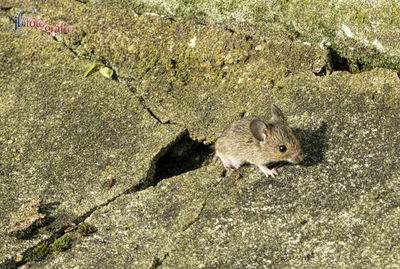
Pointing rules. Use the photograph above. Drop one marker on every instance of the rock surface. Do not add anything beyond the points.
(178, 84)
(364, 32)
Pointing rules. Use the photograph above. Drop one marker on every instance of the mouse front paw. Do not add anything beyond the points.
(267, 171)
(271, 172)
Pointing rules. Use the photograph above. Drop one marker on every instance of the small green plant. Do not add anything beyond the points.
(23, 234)
(155, 262)
(85, 229)
(101, 64)
(39, 252)
(62, 243)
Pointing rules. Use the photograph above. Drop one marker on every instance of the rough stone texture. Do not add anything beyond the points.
(26, 216)
(366, 32)
(142, 226)
(341, 210)
(63, 136)
(178, 69)
(341, 207)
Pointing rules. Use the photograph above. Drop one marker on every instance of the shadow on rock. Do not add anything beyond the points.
(314, 144)
(184, 156)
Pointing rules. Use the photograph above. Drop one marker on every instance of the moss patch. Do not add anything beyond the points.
(85, 229)
(39, 252)
(63, 243)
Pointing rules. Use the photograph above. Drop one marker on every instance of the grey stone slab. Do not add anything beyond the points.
(341, 209)
(62, 136)
(138, 229)
(365, 32)
(183, 72)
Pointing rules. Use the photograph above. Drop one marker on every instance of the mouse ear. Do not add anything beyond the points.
(258, 129)
(277, 115)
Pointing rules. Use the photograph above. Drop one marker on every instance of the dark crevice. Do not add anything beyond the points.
(247, 58)
(195, 219)
(185, 155)
(230, 30)
(148, 181)
(173, 66)
(360, 65)
(322, 72)
(353, 66)
(157, 262)
(5, 7)
(154, 116)
(338, 62)
(71, 50)
(171, 19)
(152, 173)
(363, 65)
(173, 63)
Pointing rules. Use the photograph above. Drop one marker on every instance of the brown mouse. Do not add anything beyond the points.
(259, 141)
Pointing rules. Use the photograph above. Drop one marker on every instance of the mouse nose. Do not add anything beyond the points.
(298, 158)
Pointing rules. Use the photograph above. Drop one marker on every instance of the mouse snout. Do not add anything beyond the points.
(297, 158)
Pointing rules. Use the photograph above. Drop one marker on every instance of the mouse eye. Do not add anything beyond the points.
(282, 148)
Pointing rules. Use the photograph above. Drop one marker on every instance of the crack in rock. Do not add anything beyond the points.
(203, 205)
(185, 155)
(156, 263)
(148, 181)
(142, 102)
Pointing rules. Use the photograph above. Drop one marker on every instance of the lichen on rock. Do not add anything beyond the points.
(22, 222)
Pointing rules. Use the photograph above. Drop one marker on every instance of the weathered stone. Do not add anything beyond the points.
(63, 136)
(365, 32)
(26, 216)
(137, 228)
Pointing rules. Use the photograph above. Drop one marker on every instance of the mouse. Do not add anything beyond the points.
(260, 141)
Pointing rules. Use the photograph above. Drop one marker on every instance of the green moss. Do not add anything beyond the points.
(63, 243)
(9, 265)
(39, 252)
(85, 229)
(23, 234)
(41, 222)
(30, 230)
(155, 262)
